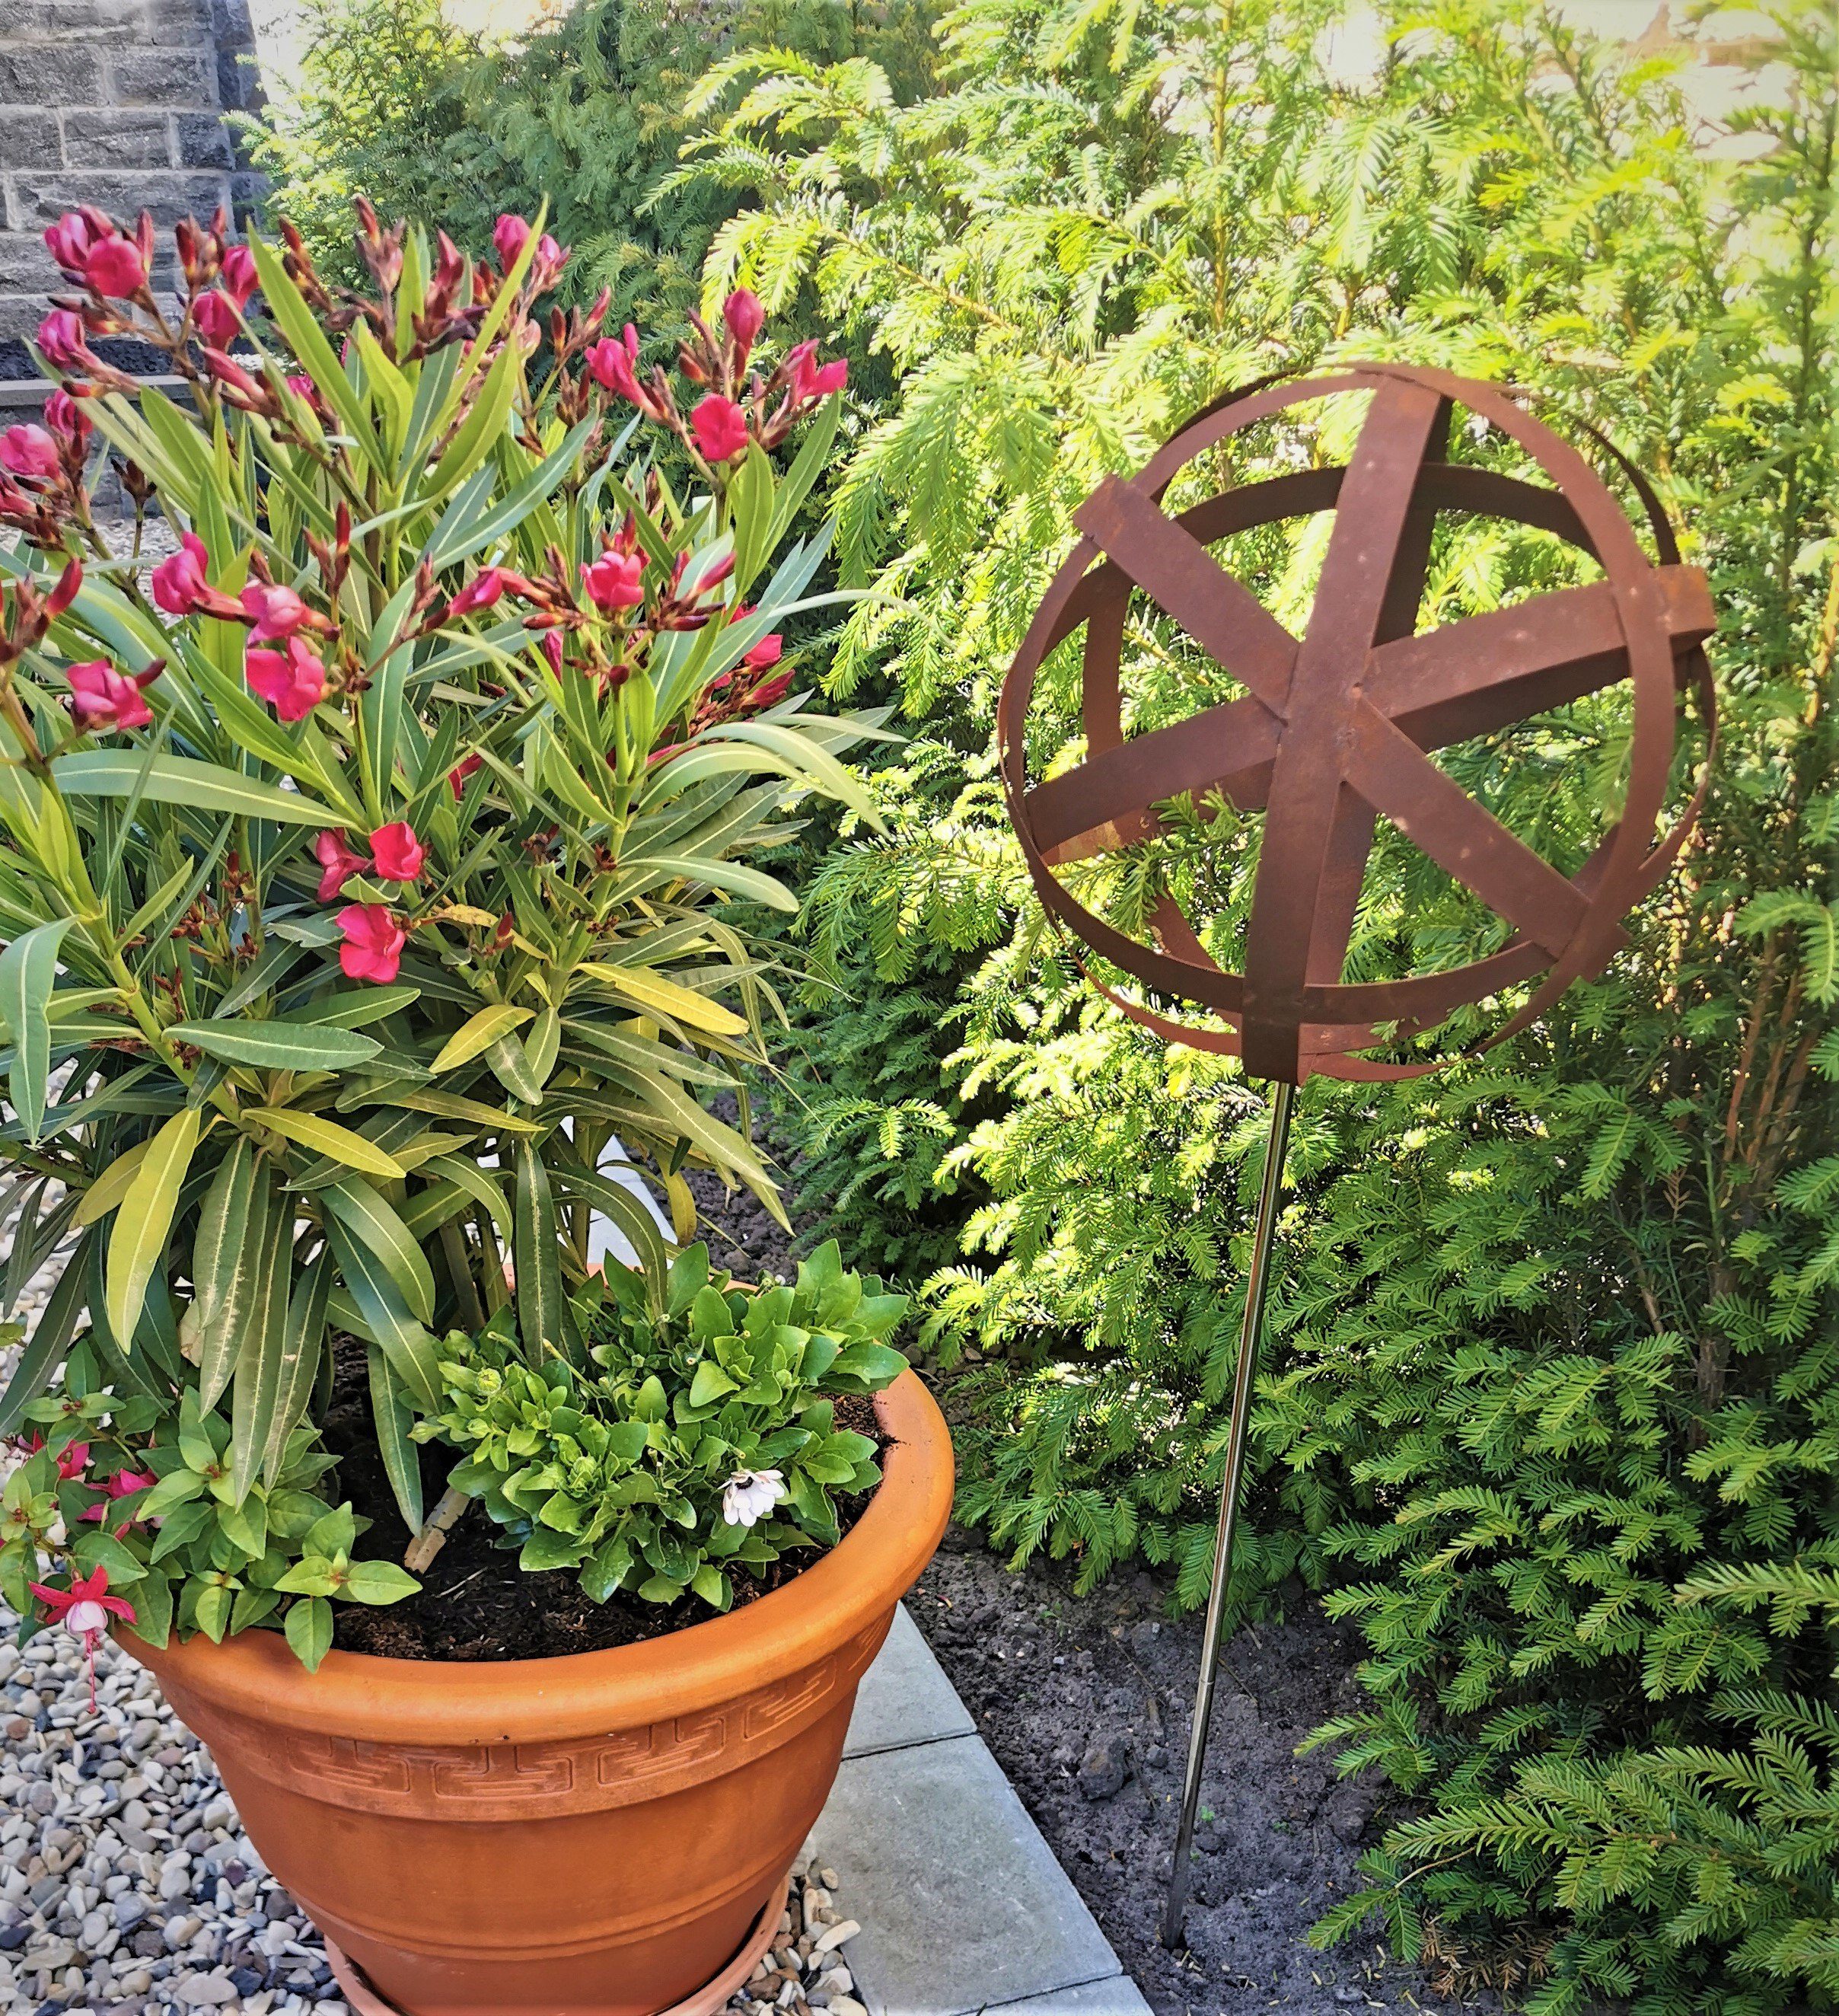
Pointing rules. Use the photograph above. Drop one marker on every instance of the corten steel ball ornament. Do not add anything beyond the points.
(1335, 730)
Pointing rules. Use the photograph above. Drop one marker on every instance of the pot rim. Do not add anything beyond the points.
(445, 1701)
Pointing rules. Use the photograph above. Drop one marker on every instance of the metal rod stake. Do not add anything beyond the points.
(1283, 1095)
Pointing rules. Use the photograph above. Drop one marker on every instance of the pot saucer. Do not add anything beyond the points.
(364, 2001)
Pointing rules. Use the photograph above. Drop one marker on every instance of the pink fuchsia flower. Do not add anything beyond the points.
(239, 275)
(292, 681)
(615, 581)
(745, 318)
(214, 318)
(179, 583)
(115, 267)
(720, 427)
(372, 949)
(30, 451)
(457, 776)
(62, 337)
(85, 1609)
(750, 1495)
(104, 700)
(481, 593)
(509, 235)
(276, 612)
(338, 863)
(400, 856)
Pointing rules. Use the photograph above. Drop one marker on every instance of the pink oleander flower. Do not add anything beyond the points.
(613, 360)
(179, 583)
(302, 387)
(372, 949)
(457, 776)
(115, 267)
(278, 612)
(85, 1609)
(62, 337)
(338, 863)
(30, 451)
(66, 419)
(481, 593)
(551, 649)
(292, 681)
(750, 1495)
(509, 235)
(549, 261)
(239, 275)
(73, 237)
(214, 318)
(72, 1462)
(812, 380)
(769, 649)
(615, 581)
(104, 700)
(400, 856)
(720, 427)
(745, 318)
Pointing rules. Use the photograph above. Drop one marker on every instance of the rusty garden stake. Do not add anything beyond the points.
(1334, 731)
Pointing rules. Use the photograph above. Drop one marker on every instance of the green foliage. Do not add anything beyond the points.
(147, 1495)
(308, 1093)
(1552, 1408)
(585, 115)
(699, 1441)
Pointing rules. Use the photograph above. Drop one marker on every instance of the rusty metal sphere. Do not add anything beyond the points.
(1335, 728)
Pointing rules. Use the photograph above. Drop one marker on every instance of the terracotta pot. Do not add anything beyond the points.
(593, 1834)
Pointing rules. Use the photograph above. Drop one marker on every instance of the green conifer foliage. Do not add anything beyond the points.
(1552, 1413)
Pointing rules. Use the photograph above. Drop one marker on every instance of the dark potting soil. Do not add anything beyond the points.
(475, 1603)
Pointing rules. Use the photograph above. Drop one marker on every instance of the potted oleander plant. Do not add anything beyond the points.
(378, 830)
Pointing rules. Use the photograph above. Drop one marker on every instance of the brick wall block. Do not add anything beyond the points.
(44, 74)
(164, 76)
(119, 140)
(29, 139)
(170, 194)
(204, 141)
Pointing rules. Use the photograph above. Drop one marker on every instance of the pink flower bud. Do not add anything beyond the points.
(510, 235)
(481, 593)
(70, 242)
(239, 275)
(745, 318)
(214, 318)
(372, 949)
(720, 427)
(457, 776)
(66, 419)
(293, 681)
(338, 863)
(61, 338)
(399, 854)
(30, 451)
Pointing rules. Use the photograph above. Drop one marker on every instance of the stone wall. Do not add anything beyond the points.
(119, 103)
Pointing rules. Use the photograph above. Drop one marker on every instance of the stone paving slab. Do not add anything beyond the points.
(905, 1697)
(963, 1906)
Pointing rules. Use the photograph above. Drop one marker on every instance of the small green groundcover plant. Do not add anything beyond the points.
(701, 1439)
(365, 869)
